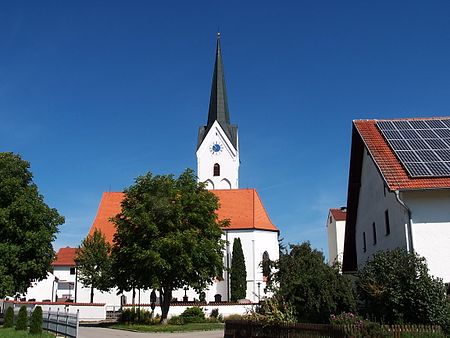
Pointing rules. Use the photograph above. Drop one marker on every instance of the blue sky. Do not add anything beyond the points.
(96, 93)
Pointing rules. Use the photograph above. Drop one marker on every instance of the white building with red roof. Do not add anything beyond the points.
(218, 166)
(60, 284)
(336, 232)
(399, 191)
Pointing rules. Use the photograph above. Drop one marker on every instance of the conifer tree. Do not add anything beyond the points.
(9, 318)
(238, 272)
(36, 321)
(22, 319)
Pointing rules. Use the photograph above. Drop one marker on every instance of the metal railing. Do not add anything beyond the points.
(61, 322)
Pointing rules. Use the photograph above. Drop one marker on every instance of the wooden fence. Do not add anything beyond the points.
(249, 329)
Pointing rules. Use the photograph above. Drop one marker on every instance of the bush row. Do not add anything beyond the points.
(22, 319)
(193, 314)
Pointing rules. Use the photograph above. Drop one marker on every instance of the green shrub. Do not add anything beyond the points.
(176, 320)
(22, 319)
(214, 313)
(234, 316)
(357, 327)
(125, 316)
(9, 318)
(36, 321)
(134, 315)
(396, 287)
(193, 314)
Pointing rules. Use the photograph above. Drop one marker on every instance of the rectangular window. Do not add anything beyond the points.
(386, 222)
(374, 229)
(72, 271)
(364, 242)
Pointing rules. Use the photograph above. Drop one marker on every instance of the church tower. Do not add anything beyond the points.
(217, 146)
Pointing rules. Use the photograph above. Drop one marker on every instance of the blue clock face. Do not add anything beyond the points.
(216, 147)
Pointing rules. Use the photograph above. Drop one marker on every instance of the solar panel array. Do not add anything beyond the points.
(422, 146)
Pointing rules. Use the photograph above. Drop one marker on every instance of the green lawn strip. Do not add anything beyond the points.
(12, 333)
(170, 328)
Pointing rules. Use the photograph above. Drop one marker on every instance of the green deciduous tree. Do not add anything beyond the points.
(395, 287)
(94, 263)
(238, 273)
(27, 227)
(169, 232)
(315, 290)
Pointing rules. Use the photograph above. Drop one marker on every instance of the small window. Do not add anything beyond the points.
(72, 271)
(216, 169)
(364, 242)
(374, 230)
(331, 220)
(386, 222)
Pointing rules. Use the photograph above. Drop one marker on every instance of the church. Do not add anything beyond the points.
(218, 166)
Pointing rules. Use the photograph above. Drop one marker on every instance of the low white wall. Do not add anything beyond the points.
(224, 309)
(87, 312)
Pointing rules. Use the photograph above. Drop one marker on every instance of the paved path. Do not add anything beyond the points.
(99, 332)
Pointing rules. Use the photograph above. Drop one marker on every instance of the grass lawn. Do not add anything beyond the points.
(170, 328)
(12, 333)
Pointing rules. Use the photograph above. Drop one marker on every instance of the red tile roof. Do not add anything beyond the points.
(391, 169)
(243, 207)
(339, 214)
(65, 257)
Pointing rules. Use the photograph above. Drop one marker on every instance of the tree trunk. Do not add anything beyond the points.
(92, 294)
(165, 296)
(133, 301)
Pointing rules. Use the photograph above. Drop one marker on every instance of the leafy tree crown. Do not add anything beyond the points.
(27, 227)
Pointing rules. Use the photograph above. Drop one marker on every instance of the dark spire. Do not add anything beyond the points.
(218, 103)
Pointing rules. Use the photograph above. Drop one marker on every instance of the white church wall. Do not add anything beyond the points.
(227, 158)
(430, 214)
(254, 243)
(224, 309)
(374, 200)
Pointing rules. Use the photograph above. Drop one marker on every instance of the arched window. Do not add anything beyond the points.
(216, 169)
(265, 264)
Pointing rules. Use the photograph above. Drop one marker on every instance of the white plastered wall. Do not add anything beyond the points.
(374, 199)
(430, 224)
(227, 158)
(254, 243)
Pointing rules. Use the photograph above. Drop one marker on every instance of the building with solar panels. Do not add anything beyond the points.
(399, 191)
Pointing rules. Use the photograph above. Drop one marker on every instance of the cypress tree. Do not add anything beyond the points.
(238, 272)
(36, 321)
(22, 319)
(9, 318)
